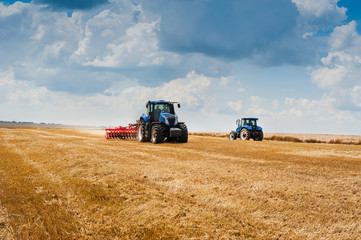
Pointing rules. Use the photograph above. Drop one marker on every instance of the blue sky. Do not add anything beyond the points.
(295, 64)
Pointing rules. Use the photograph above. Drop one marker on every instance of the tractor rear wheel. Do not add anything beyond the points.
(245, 134)
(232, 135)
(184, 135)
(142, 132)
(157, 133)
(259, 137)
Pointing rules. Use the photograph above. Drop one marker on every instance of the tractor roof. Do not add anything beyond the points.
(159, 101)
(250, 118)
(162, 102)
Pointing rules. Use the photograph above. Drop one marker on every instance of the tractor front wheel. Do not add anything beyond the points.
(232, 135)
(184, 134)
(245, 134)
(157, 134)
(259, 137)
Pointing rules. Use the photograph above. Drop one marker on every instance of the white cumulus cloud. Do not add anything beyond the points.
(319, 7)
(236, 105)
(13, 9)
(190, 91)
(340, 71)
(139, 47)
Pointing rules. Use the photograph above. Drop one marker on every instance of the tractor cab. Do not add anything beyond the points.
(162, 111)
(250, 123)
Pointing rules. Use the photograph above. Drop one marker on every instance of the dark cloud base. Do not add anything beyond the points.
(72, 4)
(265, 32)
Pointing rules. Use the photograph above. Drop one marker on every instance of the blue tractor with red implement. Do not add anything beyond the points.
(246, 129)
(161, 123)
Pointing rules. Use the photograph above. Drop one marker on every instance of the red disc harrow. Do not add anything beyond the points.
(122, 132)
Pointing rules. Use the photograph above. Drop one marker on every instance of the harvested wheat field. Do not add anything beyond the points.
(66, 184)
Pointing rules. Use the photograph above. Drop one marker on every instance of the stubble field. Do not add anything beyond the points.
(68, 184)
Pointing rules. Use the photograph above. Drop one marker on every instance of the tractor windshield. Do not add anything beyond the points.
(249, 122)
(252, 122)
(158, 108)
(164, 108)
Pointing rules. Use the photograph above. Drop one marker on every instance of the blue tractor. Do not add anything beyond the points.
(161, 123)
(247, 129)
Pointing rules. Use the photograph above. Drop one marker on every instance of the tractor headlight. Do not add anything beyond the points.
(166, 121)
(175, 120)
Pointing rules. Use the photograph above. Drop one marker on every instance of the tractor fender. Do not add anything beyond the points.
(144, 117)
(249, 128)
(151, 124)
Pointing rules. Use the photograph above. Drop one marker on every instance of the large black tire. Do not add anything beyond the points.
(173, 139)
(157, 133)
(142, 132)
(184, 135)
(259, 137)
(232, 135)
(245, 134)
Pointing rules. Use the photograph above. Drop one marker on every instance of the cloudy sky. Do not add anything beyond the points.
(295, 64)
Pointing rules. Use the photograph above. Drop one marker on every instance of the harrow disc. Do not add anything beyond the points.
(121, 132)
